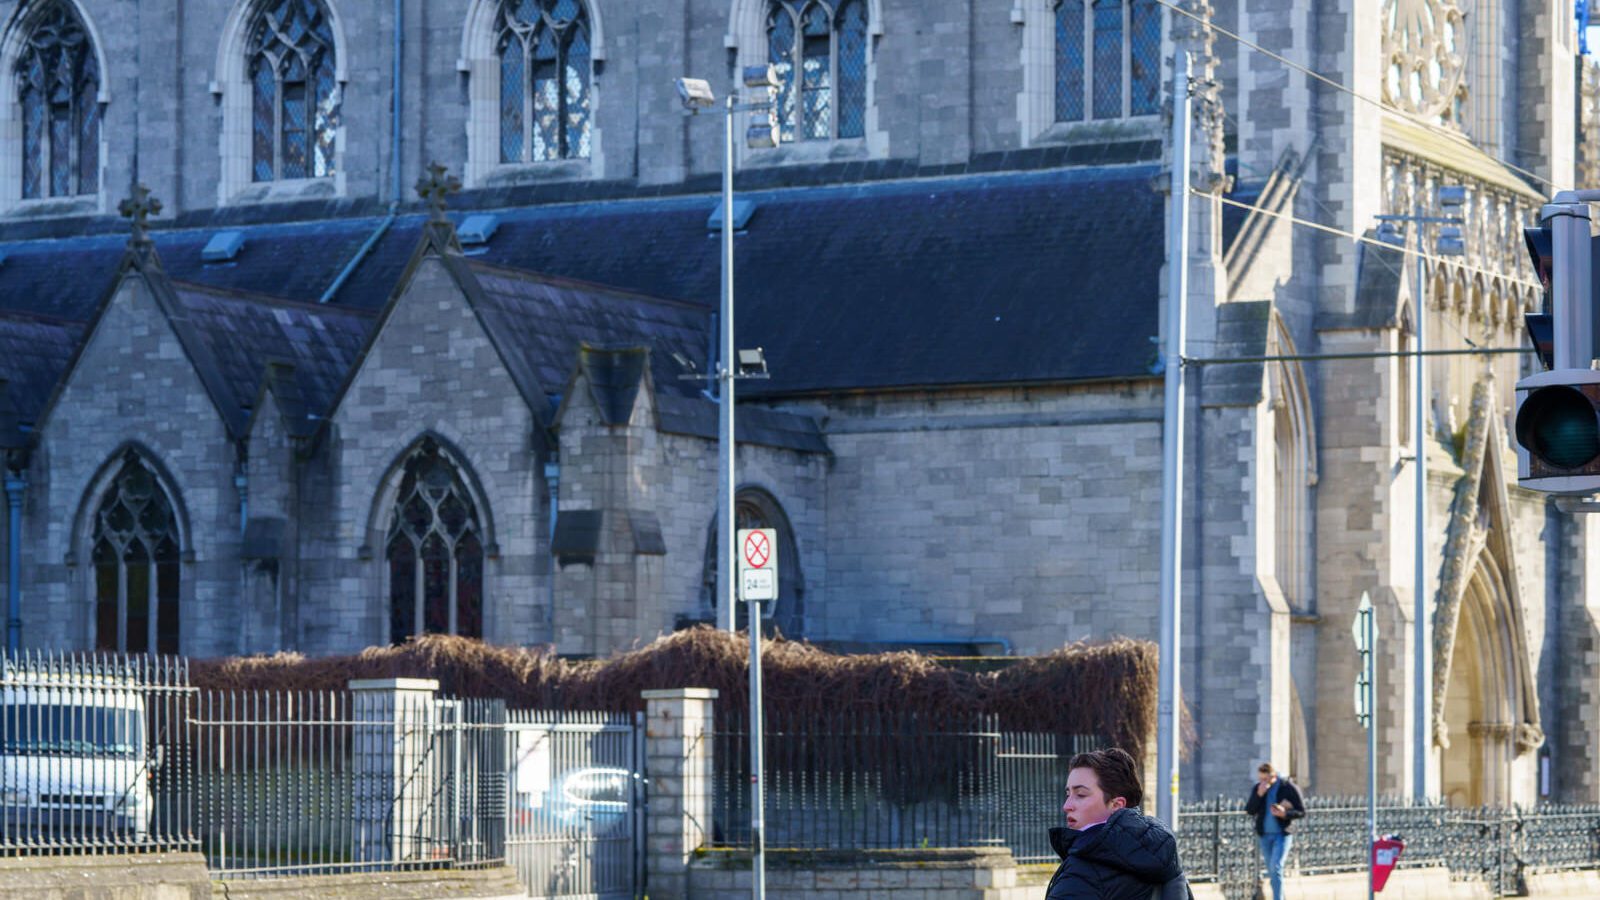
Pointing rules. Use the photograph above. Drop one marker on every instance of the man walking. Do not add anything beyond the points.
(1275, 803)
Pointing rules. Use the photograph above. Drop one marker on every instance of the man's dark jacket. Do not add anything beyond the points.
(1287, 793)
(1130, 857)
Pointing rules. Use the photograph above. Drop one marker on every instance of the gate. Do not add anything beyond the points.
(575, 822)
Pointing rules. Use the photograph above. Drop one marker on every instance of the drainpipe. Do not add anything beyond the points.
(552, 478)
(16, 484)
(394, 164)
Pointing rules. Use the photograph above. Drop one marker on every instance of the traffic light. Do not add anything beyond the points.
(1558, 410)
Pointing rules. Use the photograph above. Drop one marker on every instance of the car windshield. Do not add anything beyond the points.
(80, 730)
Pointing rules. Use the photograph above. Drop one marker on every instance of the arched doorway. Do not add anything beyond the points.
(1485, 704)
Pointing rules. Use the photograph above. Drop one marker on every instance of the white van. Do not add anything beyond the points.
(73, 762)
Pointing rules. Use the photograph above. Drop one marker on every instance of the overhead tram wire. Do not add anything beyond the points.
(1364, 239)
(1433, 127)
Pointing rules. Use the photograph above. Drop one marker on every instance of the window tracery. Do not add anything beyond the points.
(294, 91)
(546, 60)
(819, 50)
(434, 550)
(58, 87)
(136, 564)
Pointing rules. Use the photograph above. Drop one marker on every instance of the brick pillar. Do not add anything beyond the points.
(678, 759)
(392, 785)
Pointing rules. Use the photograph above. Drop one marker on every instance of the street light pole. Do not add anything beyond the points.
(1169, 707)
(724, 375)
(696, 95)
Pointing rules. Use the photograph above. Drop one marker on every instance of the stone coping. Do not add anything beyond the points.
(946, 857)
(428, 884)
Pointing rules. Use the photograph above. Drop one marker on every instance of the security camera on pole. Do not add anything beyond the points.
(1558, 411)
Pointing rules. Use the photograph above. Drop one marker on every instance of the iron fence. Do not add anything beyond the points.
(92, 754)
(309, 783)
(577, 791)
(890, 781)
(1497, 846)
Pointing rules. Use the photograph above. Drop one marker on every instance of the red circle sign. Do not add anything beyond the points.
(757, 549)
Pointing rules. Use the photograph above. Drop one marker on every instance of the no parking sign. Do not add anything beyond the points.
(758, 564)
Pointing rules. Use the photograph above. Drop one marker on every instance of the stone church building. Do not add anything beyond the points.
(278, 403)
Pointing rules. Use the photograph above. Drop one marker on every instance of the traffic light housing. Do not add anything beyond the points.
(1558, 410)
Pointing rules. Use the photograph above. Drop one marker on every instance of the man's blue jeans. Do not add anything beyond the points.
(1274, 847)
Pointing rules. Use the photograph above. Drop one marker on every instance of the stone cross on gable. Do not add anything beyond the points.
(434, 188)
(139, 206)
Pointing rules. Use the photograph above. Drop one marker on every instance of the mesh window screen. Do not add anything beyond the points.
(1069, 60)
(1107, 59)
(1144, 58)
(852, 97)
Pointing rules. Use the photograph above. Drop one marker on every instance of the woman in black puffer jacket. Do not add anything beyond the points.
(1109, 850)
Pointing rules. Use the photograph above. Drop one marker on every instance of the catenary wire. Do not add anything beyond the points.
(1336, 85)
(1361, 238)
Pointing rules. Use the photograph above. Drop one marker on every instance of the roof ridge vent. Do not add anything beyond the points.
(742, 211)
(223, 246)
(477, 228)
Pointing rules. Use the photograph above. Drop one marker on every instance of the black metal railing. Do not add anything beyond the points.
(894, 781)
(1497, 846)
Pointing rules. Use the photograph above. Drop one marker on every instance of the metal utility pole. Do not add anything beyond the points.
(1168, 722)
(725, 375)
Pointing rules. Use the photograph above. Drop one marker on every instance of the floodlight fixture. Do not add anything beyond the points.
(753, 362)
(695, 93)
(761, 135)
(763, 76)
(1451, 197)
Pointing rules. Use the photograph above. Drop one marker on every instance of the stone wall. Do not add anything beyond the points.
(962, 874)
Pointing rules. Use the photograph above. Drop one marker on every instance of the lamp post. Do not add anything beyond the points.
(1448, 243)
(697, 95)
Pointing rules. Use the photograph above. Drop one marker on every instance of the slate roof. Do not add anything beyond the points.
(34, 353)
(244, 334)
(1008, 277)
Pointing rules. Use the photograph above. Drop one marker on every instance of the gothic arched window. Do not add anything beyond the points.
(545, 66)
(58, 87)
(136, 564)
(1108, 59)
(294, 91)
(825, 42)
(435, 550)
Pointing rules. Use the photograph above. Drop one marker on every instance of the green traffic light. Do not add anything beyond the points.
(1558, 425)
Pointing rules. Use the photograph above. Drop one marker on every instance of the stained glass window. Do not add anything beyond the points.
(136, 564)
(819, 48)
(546, 67)
(294, 91)
(58, 88)
(435, 550)
(1107, 59)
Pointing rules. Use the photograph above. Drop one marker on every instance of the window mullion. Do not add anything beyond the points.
(277, 123)
(451, 598)
(1127, 58)
(419, 599)
(561, 109)
(122, 600)
(833, 75)
(150, 646)
(529, 101)
(1087, 11)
